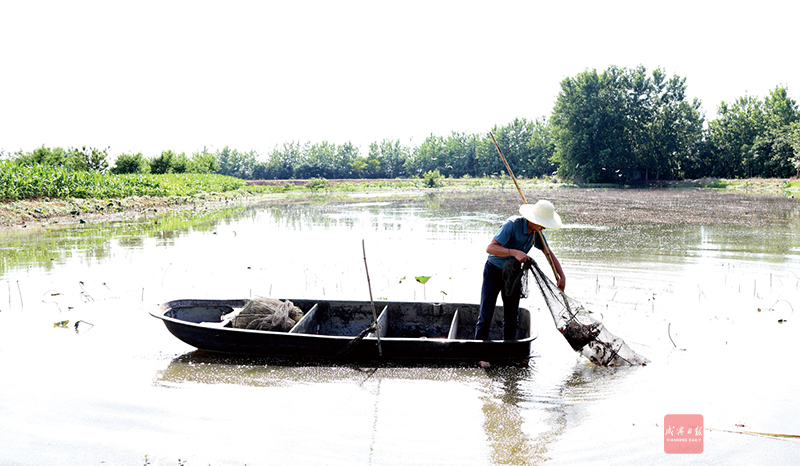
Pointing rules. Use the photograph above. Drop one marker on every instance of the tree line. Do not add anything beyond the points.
(617, 126)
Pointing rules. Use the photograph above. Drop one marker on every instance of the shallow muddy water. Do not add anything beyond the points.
(710, 303)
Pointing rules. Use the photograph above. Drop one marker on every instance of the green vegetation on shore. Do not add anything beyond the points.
(30, 182)
(37, 181)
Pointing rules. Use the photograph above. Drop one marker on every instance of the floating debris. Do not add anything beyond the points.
(85, 324)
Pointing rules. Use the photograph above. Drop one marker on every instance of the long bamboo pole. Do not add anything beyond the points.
(524, 201)
(545, 248)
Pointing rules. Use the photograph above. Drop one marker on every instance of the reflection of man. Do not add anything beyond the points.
(513, 241)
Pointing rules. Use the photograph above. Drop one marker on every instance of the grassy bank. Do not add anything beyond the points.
(775, 186)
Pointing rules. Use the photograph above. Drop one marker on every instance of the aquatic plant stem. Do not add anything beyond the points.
(787, 437)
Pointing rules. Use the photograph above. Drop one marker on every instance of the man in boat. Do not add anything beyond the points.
(512, 242)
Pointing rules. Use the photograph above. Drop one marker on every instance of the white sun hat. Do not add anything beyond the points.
(542, 213)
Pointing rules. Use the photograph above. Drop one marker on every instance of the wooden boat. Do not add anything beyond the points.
(412, 332)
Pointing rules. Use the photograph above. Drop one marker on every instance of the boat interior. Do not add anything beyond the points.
(351, 318)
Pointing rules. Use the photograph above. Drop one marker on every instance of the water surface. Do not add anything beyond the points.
(711, 304)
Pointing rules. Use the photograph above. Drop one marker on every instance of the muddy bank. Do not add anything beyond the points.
(662, 206)
(43, 212)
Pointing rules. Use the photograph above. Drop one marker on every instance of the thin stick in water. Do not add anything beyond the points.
(20, 296)
(670, 336)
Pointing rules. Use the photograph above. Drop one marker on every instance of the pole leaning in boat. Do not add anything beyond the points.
(546, 249)
(371, 302)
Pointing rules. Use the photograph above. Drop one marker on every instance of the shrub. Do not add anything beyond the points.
(433, 179)
(317, 183)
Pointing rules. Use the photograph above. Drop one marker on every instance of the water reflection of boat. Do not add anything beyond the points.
(334, 331)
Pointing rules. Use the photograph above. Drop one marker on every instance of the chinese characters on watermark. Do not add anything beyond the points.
(683, 433)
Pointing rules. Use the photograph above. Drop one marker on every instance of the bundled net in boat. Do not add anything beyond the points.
(584, 333)
(268, 314)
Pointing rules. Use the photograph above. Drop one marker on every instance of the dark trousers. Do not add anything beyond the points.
(492, 286)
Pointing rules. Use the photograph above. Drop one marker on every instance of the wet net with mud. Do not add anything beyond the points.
(584, 333)
(268, 314)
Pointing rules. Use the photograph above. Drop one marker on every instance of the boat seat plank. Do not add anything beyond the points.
(383, 323)
(308, 323)
(453, 333)
(225, 320)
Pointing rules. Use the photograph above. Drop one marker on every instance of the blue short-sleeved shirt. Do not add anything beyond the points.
(513, 234)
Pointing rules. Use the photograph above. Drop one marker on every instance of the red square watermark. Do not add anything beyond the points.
(683, 433)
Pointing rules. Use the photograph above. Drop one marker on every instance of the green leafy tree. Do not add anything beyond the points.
(163, 163)
(623, 125)
(514, 141)
(699, 161)
(733, 133)
(359, 167)
(460, 155)
(392, 157)
(88, 159)
(528, 146)
(130, 163)
(55, 157)
(181, 163)
(772, 154)
(318, 161)
(282, 162)
(542, 148)
(234, 163)
(369, 167)
(260, 171)
(794, 138)
(780, 109)
(671, 127)
(592, 140)
(752, 137)
(327, 160)
(487, 160)
(343, 161)
(428, 156)
(203, 162)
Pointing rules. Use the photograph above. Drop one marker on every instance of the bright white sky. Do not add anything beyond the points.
(147, 76)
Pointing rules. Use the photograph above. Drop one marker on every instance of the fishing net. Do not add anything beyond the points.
(515, 278)
(268, 314)
(584, 333)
